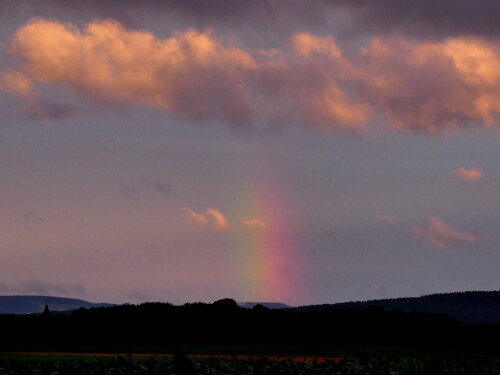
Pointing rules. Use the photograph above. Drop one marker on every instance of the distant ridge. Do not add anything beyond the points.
(36, 304)
(271, 305)
(467, 307)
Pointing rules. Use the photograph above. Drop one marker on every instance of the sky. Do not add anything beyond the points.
(268, 150)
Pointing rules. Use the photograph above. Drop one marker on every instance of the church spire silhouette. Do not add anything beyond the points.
(46, 311)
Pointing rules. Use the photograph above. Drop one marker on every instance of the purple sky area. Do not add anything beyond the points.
(267, 150)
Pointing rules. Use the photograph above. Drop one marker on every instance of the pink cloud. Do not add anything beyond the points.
(435, 232)
(470, 175)
(310, 82)
(211, 217)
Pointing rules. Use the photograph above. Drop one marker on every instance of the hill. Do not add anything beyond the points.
(467, 307)
(36, 304)
(271, 305)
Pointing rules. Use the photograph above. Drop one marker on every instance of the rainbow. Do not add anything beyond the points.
(267, 255)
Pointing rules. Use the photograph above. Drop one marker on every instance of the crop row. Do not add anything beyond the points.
(183, 366)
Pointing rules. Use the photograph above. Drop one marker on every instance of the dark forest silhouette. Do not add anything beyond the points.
(159, 325)
(468, 307)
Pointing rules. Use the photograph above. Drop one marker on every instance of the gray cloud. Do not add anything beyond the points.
(435, 18)
(42, 288)
(162, 187)
(427, 18)
(201, 12)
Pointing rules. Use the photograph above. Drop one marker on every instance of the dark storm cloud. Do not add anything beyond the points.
(202, 12)
(425, 18)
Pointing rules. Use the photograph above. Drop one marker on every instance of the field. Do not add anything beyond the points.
(180, 364)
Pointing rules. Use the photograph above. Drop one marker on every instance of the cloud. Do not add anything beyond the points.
(431, 87)
(469, 175)
(386, 218)
(164, 188)
(435, 232)
(253, 224)
(200, 12)
(425, 18)
(212, 217)
(310, 82)
(41, 288)
(196, 217)
(189, 74)
(16, 83)
(219, 222)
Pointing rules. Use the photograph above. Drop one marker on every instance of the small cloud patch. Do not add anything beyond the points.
(469, 175)
(437, 233)
(212, 217)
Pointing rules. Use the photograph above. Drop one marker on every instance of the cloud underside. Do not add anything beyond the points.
(424, 18)
(309, 82)
(435, 232)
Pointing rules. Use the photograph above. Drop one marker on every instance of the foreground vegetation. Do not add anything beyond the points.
(180, 365)
(370, 341)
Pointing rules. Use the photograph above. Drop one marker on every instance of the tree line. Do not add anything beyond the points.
(159, 325)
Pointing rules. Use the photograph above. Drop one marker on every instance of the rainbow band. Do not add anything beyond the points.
(267, 255)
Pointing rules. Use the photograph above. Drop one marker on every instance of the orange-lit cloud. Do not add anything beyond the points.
(189, 74)
(16, 83)
(195, 217)
(253, 224)
(212, 217)
(435, 232)
(470, 175)
(310, 82)
(218, 220)
(425, 86)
